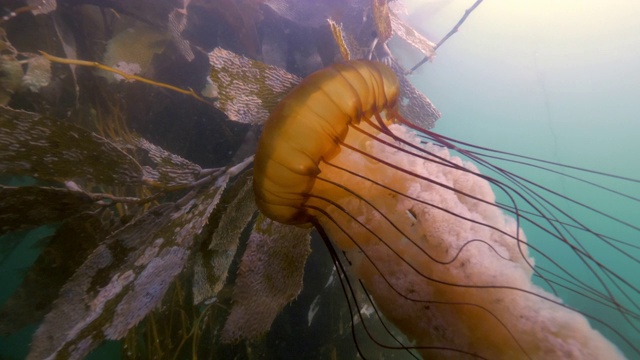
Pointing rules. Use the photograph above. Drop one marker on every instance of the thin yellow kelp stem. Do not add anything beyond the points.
(123, 74)
(155, 342)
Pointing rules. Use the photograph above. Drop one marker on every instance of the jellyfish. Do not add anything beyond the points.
(422, 230)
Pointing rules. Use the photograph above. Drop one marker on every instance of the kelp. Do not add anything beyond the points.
(382, 19)
(42, 6)
(127, 274)
(169, 170)
(68, 330)
(247, 90)
(154, 247)
(338, 36)
(219, 246)
(48, 149)
(64, 252)
(412, 37)
(414, 105)
(269, 277)
(125, 277)
(27, 207)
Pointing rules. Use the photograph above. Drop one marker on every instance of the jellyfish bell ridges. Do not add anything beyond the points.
(419, 226)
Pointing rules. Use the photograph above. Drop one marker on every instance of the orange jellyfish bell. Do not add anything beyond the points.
(420, 227)
(308, 126)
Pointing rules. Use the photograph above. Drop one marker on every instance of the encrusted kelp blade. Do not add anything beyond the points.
(124, 278)
(338, 36)
(42, 6)
(381, 17)
(227, 223)
(54, 150)
(169, 170)
(27, 207)
(38, 74)
(247, 89)
(11, 73)
(269, 277)
(49, 149)
(167, 16)
(411, 36)
(72, 242)
(413, 105)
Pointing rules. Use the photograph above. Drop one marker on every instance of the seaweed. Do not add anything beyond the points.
(157, 239)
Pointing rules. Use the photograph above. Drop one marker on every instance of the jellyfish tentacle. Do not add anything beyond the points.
(580, 250)
(337, 155)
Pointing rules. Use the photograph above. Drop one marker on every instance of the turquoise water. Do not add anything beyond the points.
(558, 81)
(552, 80)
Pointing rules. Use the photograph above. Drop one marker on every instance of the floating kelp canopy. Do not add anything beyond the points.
(157, 241)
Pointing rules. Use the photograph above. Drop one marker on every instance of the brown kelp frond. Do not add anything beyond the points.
(53, 150)
(382, 19)
(414, 105)
(125, 272)
(412, 37)
(27, 207)
(247, 90)
(220, 244)
(126, 276)
(42, 6)
(64, 252)
(338, 36)
(269, 277)
(49, 149)
(167, 170)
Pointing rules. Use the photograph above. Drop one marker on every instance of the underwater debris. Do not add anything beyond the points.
(132, 49)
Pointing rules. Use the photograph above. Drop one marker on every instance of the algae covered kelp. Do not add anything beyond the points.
(127, 138)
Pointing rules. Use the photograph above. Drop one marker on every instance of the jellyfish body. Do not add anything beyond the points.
(420, 227)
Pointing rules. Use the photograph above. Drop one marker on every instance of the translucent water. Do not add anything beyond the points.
(557, 81)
